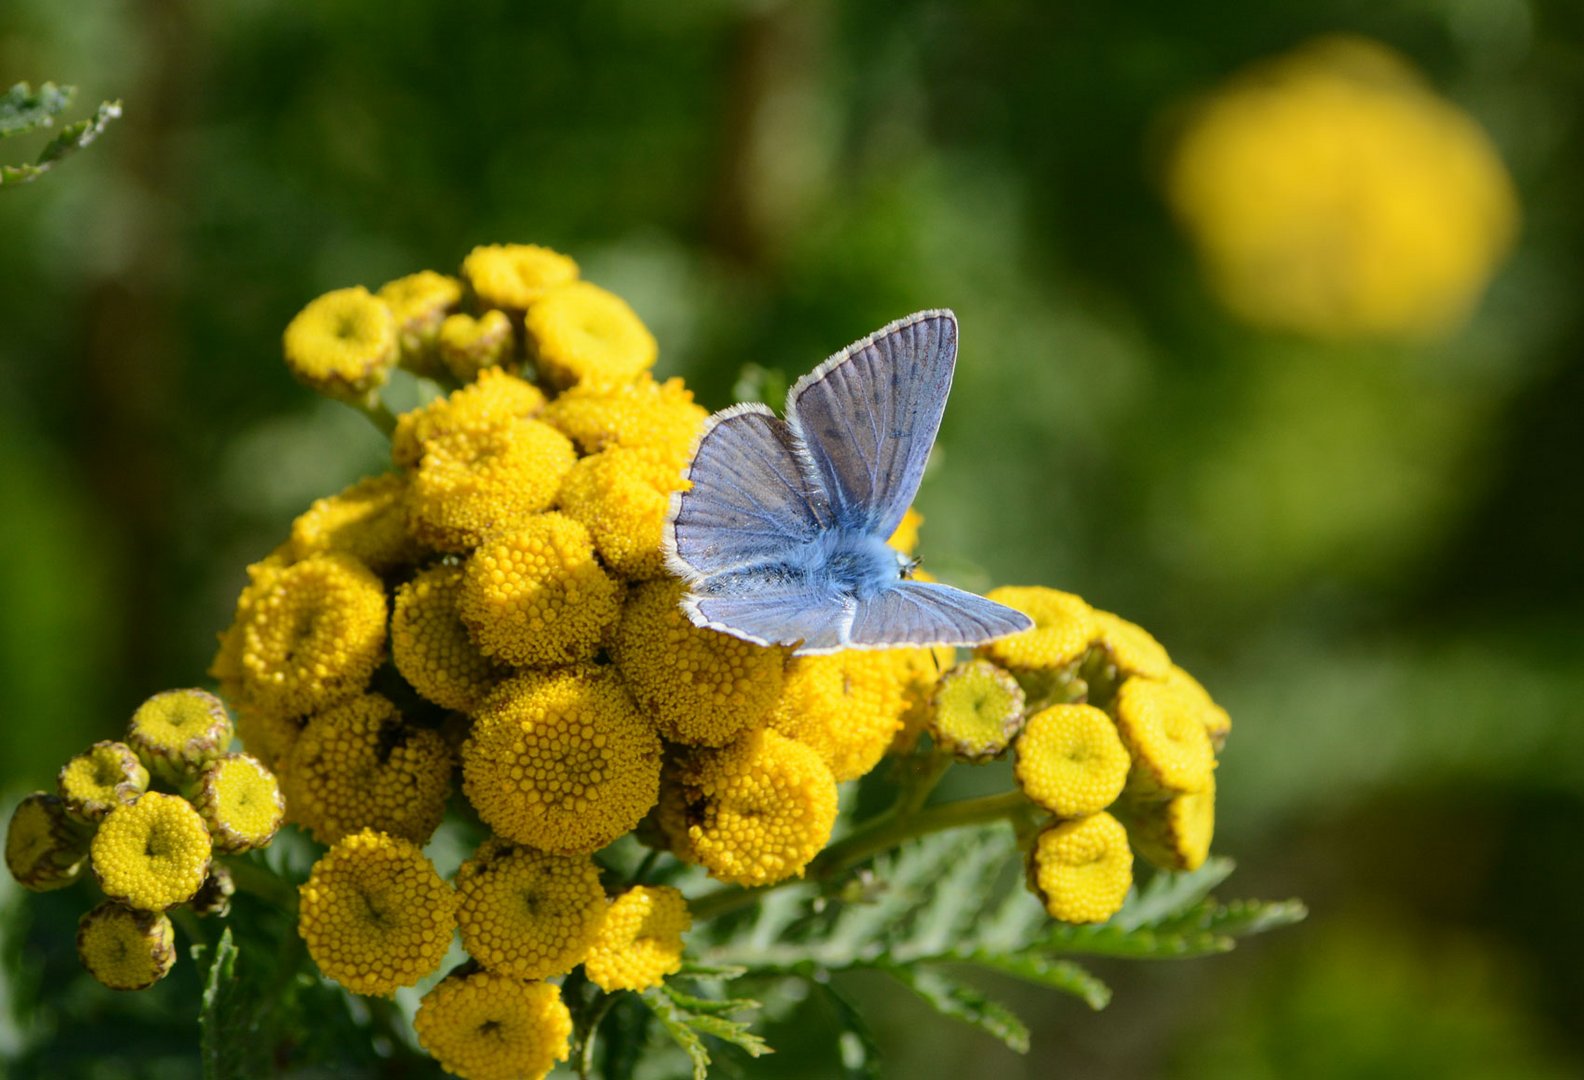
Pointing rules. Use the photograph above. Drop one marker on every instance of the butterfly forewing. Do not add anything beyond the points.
(927, 613)
(867, 418)
(749, 499)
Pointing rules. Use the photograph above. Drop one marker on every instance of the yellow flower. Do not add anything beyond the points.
(44, 849)
(357, 765)
(472, 481)
(978, 709)
(699, 687)
(495, 400)
(622, 496)
(343, 344)
(430, 644)
(151, 854)
(1331, 192)
(375, 914)
(905, 538)
(640, 942)
(660, 418)
(846, 706)
(367, 521)
(1063, 628)
(534, 595)
(180, 730)
(759, 809)
(1163, 731)
(513, 276)
(468, 345)
(1131, 648)
(561, 761)
(419, 303)
(126, 949)
(486, 1026)
(268, 732)
(526, 913)
(1175, 834)
(1081, 870)
(1071, 761)
(101, 778)
(240, 803)
(1217, 722)
(313, 635)
(269, 736)
(581, 335)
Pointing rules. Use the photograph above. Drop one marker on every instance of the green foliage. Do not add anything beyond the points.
(23, 110)
(222, 1031)
(953, 902)
(688, 1019)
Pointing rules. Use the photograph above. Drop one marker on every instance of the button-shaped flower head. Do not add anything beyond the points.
(640, 942)
(487, 1026)
(152, 854)
(126, 949)
(527, 913)
(1071, 761)
(1081, 870)
(343, 344)
(101, 778)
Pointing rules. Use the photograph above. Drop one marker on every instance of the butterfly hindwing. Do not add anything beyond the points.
(820, 622)
(748, 499)
(867, 418)
(928, 613)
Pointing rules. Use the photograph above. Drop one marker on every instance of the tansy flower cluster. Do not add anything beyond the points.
(493, 616)
(1113, 745)
(148, 817)
(1331, 192)
(489, 624)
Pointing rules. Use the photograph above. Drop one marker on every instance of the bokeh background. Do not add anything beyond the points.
(1366, 542)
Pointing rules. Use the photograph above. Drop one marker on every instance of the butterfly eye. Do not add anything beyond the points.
(906, 566)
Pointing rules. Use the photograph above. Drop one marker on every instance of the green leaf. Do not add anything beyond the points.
(1058, 974)
(859, 1053)
(1168, 895)
(71, 138)
(74, 137)
(963, 1002)
(711, 1006)
(1110, 940)
(686, 1026)
(222, 1025)
(1243, 918)
(22, 109)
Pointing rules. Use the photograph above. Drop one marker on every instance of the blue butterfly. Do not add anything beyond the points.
(781, 537)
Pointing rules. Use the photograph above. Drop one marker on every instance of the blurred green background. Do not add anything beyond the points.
(1368, 552)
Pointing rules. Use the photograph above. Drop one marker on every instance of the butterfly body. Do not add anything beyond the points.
(781, 535)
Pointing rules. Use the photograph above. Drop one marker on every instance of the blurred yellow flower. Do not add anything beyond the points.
(495, 399)
(1331, 192)
(366, 521)
(513, 276)
(660, 418)
(468, 346)
(581, 335)
(343, 344)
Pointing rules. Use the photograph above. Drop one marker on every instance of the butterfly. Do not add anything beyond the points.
(780, 534)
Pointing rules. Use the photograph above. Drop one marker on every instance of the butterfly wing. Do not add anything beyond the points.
(867, 417)
(749, 499)
(928, 613)
(819, 622)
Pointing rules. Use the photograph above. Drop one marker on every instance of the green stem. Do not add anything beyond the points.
(585, 1062)
(377, 413)
(881, 834)
(260, 882)
(646, 866)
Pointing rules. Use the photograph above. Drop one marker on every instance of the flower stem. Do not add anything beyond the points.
(260, 882)
(377, 413)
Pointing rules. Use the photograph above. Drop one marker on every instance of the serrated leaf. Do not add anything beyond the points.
(692, 969)
(22, 109)
(1243, 918)
(685, 1026)
(709, 1005)
(1168, 895)
(1061, 975)
(960, 1001)
(1110, 940)
(221, 1028)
